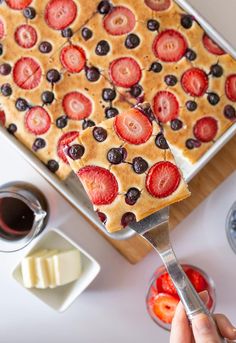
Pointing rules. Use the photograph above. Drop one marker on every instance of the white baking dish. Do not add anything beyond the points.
(72, 190)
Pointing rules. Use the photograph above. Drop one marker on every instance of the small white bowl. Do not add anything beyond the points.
(60, 298)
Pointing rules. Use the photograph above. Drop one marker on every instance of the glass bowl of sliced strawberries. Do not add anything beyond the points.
(162, 297)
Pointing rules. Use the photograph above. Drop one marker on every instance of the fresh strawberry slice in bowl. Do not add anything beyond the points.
(59, 14)
(195, 82)
(119, 21)
(164, 306)
(27, 73)
(133, 127)
(169, 46)
(205, 129)
(2, 29)
(2, 118)
(197, 280)
(163, 179)
(64, 142)
(230, 87)
(158, 5)
(99, 183)
(37, 120)
(125, 72)
(164, 284)
(73, 58)
(18, 4)
(212, 46)
(165, 106)
(77, 106)
(26, 36)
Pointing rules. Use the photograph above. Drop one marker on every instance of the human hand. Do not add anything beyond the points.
(203, 329)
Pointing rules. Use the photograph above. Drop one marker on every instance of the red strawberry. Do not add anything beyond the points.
(164, 306)
(27, 73)
(2, 29)
(205, 129)
(169, 46)
(163, 179)
(76, 105)
(99, 183)
(37, 120)
(73, 58)
(195, 82)
(18, 4)
(64, 141)
(164, 284)
(125, 72)
(211, 46)
(196, 279)
(165, 106)
(133, 127)
(2, 118)
(119, 21)
(60, 13)
(158, 5)
(230, 87)
(26, 36)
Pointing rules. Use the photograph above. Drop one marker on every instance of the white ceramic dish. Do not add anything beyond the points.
(62, 297)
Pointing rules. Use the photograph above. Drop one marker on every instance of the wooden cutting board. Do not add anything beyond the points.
(205, 182)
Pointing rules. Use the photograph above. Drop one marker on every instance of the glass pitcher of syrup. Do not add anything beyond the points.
(23, 215)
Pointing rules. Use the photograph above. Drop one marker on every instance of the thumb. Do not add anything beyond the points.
(204, 329)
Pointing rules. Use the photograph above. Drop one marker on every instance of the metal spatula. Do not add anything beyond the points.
(155, 229)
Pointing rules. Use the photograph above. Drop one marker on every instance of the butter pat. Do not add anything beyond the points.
(28, 269)
(42, 273)
(67, 267)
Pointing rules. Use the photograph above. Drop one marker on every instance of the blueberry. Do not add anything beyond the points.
(75, 151)
(47, 97)
(87, 33)
(12, 128)
(229, 112)
(136, 91)
(53, 166)
(161, 142)
(67, 33)
(5, 69)
(92, 74)
(102, 217)
(6, 89)
(116, 155)
(216, 70)
(45, 47)
(191, 105)
(147, 111)
(190, 55)
(104, 7)
(176, 124)
(29, 13)
(87, 123)
(132, 41)
(153, 25)
(171, 80)
(132, 196)
(102, 48)
(139, 165)
(61, 122)
(128, 218)
(108, 94)
(192, 143)
(21, 104)
(39, 143)
(213, 98)
(100, 134)
(111, 112)
(53, 76)
(156, 67)
(1, 49)
(187, 21)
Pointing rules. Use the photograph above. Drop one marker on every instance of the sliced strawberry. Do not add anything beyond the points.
(125, 72)
(158, 5)
(64, 141)
(26, 36)
(99, 183)
(37, 120)
(230, 87)
(27, 73)
(195, 82)
(133, 127)
(119, 21)
(73, 58)
(165, 106)
(60, 13)
(2, 118)
(2, 29)
(196, 279)
(163, 179)
(212, 46)
(77, 106)
(18, 4)
(164, 284)
(205, 129)
(164, 307)
(169, 46)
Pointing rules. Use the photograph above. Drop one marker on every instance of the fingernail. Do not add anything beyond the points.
(202, 324)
